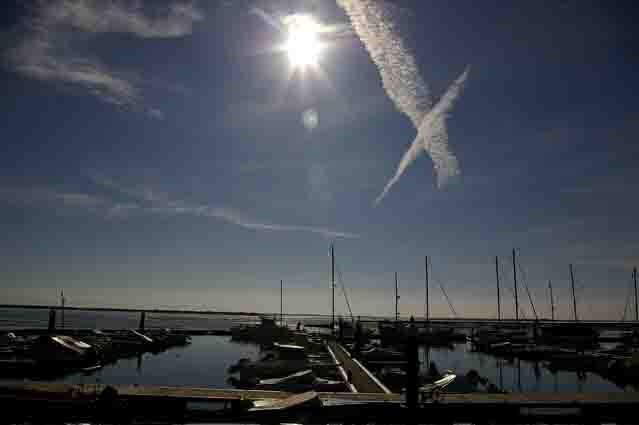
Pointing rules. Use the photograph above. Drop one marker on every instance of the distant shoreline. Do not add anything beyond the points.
(154, 310)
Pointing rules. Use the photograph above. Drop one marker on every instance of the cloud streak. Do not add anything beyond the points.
(48, 49)
(406, 89)
(47, 197)
(157, 202)
(145, 201)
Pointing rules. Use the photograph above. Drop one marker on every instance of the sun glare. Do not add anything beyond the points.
(303, 45)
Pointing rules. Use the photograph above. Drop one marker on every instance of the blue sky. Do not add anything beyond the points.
(154, 154)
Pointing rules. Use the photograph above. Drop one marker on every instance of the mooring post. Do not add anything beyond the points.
(51, 320)
(358, 339)
(412, 368)
(142, 319)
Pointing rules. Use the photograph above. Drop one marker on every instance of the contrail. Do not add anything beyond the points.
(406, 89)
(432, 137)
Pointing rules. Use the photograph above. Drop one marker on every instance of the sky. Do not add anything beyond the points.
(174, 155)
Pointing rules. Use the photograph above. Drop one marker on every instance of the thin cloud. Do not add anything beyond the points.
(47, 49)
(159, 203)
(141, 193)
(52, 198)
(406, 88)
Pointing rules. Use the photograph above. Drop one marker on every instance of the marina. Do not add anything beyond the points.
(253, 372)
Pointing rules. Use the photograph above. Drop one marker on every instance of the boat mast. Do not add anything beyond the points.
(552, 302)
(498, 294)
(515, 279)
(281, 303)
(427, 303)
(62, 310)
(574, 300)
(396, 299)
(634, 276)
(332, 288)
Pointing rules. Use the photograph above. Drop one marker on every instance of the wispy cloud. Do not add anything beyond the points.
(406, 88)
(160, 203)
(143, 200)
(48, 51)
(53, 198)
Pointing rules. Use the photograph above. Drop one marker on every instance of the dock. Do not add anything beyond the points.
(45, 400)
(360, 377)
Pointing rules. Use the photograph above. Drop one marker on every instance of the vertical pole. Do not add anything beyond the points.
(332, 288)
(51, 320)
(358, 338)
(515, 279)
(396, 299)
(574, 300)
(634, 276)
(552, 302)
(427, 302)
(142, 320)
(498, 294)
(62, 311)
(412, 372)
(281, 303)
(519, 374)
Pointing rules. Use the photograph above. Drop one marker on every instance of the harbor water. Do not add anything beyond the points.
(204, 363)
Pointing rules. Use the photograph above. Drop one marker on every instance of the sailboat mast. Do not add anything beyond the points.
(634, 276)
(62, 310)
(498, 294)
(552, 302)
(574, 300)
(427, 303)
(396, 299)
(332, 287)
(281, 303)
(515, 279)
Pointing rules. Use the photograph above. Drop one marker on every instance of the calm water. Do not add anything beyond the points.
(204, 363)
(516, 376)
(201, 364)
(38, 318)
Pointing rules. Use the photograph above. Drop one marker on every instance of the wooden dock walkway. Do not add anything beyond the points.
(42, 399)
(55, 390)
(361, 378)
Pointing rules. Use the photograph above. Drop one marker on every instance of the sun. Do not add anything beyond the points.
(303, 45)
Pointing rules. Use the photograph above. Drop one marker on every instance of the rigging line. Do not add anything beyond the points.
(450, 304)
(525, 281)
(436, 280)
(507, 273)
(521, 307)
(341, 281)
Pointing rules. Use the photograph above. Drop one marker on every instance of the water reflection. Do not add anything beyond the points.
(514, 375)
(201, 364)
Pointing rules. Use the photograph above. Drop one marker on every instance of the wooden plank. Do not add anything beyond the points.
(59, 391)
